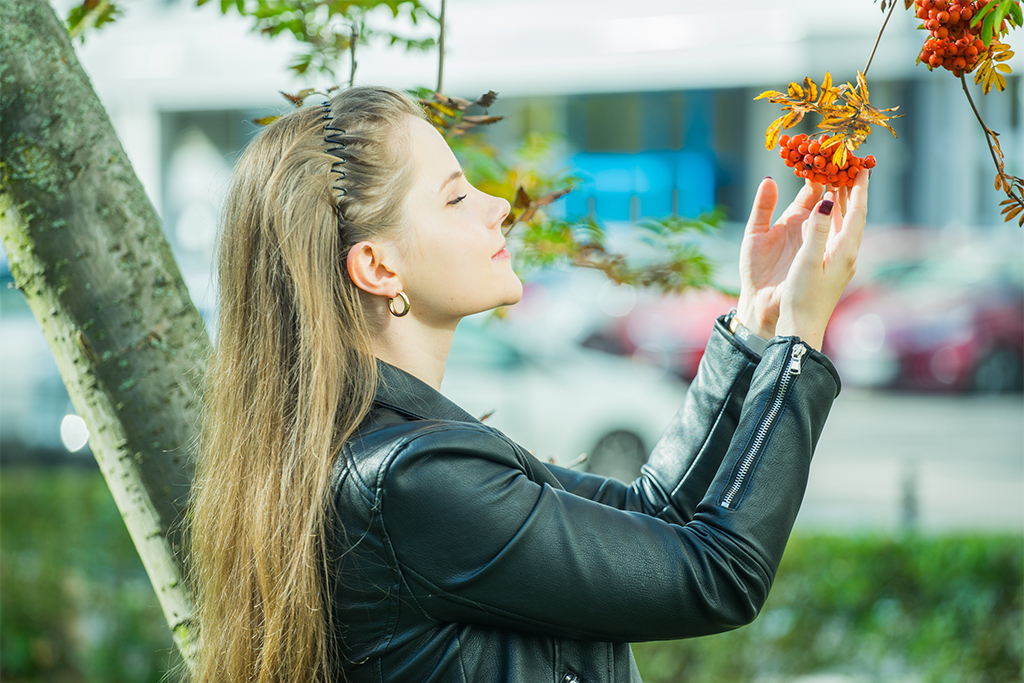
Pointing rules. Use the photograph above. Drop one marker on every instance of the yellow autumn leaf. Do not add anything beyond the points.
(811, 89)
(862, 86)
(835, 139)
(447, 111)
(839, 158)
(771, 136)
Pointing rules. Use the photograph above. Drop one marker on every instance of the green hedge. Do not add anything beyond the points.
(75, 603)
(873, 608)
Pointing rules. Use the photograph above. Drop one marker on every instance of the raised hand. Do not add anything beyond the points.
(767, 252)
(823, 265)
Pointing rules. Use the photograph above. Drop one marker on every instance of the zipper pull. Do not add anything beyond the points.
(798, 352)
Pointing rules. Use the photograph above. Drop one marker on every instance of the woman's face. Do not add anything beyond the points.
(453, 257)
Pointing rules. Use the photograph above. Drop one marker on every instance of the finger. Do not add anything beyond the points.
(816, 231)
(857, 213)
(764, 204)
(836, 217)
(853, 222)
(844, 198)
(805, 201)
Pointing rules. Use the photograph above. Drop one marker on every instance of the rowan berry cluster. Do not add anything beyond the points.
(954, 44)
(808, 159)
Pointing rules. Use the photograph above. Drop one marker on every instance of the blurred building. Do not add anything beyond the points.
(654, 99)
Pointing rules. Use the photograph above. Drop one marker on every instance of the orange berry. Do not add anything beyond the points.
(819, 162)
(935, 60)
(814, 147)
(869, 161)
(794, 156)
(803, 148)
(831, 168)
(783, 140)
(853, 171)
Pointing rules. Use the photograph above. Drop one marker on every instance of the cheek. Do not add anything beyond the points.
(449, 260)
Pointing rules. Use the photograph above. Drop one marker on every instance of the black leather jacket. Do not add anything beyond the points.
(465, 559)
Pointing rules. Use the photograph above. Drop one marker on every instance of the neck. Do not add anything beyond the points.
(417, 348)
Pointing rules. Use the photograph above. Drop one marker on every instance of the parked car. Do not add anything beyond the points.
(669, 331)
(953, 322)
(561, 401)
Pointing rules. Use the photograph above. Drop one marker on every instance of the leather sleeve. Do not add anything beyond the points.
(477, 539)
(688, 454)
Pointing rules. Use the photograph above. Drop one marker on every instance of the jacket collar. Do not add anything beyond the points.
(405, 394)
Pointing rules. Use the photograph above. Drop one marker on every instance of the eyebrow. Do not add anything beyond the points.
(453, 176)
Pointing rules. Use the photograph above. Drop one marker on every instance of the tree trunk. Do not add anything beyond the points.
(85, 246)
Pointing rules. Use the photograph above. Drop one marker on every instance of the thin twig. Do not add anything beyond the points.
(352, 47)
(892, 6)
(988, 138)
(440, 55)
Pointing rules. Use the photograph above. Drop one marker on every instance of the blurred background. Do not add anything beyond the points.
(907, 560)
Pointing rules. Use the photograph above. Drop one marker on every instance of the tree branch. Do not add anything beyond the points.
(440, 56)
(353, 39)
(989, 139)
(885, 23)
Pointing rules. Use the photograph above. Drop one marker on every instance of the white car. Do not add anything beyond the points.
(568, 405)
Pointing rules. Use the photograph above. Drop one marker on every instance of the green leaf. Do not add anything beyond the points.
(1016, 14)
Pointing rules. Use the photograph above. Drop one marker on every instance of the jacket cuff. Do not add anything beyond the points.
(820, 358)
(722, 329)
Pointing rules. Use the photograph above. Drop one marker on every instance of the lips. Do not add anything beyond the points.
(501, 253)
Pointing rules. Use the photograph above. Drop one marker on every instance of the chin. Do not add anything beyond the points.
(515, 295)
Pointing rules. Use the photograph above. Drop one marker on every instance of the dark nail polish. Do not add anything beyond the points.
(826, 207)
(768, 177)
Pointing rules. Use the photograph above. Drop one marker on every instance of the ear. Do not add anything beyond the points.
(366, 266)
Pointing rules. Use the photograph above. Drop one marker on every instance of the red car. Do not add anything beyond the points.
(950, 323)
(670, 332)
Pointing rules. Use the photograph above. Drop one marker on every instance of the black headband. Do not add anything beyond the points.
(335, 145)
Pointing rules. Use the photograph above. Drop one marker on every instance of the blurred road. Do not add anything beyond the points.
(940, 463)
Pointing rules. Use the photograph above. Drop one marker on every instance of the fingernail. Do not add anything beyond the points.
(768, 177)
(869, 173)
(826, 207)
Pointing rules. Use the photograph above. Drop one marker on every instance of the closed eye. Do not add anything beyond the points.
(456, 200)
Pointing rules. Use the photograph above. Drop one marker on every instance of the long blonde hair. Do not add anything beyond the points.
(292, 377)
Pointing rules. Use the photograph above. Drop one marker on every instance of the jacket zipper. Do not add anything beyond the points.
(788, 377)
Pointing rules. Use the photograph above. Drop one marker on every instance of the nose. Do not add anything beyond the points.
(500, 208)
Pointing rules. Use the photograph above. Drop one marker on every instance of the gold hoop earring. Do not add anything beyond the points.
(391, 305)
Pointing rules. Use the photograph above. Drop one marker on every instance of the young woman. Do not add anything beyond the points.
(350, 523)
